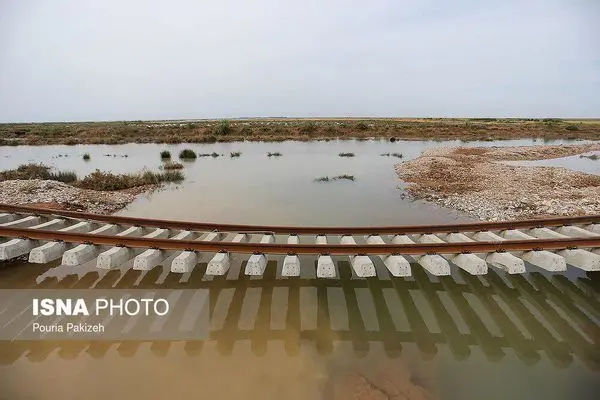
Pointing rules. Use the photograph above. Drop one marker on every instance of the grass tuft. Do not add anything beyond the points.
(336, 178)
(276, 154)
(346, 154)
(63, 176)
(87, 157)
(165, 154)
(235, 154)
(172, 165)
(397, 155)
(344, 177)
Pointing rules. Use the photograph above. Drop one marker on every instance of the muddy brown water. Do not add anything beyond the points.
(458, 337)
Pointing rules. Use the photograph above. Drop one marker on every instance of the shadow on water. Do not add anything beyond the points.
(530, 314)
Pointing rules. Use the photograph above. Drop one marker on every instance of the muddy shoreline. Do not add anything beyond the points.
(474, 180)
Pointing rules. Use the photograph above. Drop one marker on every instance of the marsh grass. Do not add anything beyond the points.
(336, 178)
(26, 171)
(290, 129)
(63, 176)
(397, 155)
(187, 154)
(346, 154)
(594, 157)
(276, 154)
(38, 171)
(99, 180)
(165, 154)
(169, 165)
(87, 157)
(235, 154)
(344, 177)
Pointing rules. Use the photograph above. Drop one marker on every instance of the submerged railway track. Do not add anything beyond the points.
(77, 238)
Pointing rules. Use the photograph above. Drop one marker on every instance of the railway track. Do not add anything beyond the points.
(78, 238)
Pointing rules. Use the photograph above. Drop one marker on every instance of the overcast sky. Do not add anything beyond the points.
(143, 59)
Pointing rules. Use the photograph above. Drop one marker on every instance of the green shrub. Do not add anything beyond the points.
(187, 154)
(572, 128)
(87, 157)
(223, 128)
(165, 154)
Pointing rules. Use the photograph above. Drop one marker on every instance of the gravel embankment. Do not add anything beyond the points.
(475, 180)
(52, 194)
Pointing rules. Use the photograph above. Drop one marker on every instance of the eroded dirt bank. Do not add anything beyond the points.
(474, 180)
(58, 195)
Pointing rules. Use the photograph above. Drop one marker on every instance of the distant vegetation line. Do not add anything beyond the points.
(210, 131)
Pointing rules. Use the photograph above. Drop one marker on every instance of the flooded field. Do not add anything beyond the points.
(459, 337)
(256, 189)
(588, 163)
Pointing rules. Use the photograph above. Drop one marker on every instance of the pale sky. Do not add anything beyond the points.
(77, 60)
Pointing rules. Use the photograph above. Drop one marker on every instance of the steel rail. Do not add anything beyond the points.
(325, 230)
(373, 249)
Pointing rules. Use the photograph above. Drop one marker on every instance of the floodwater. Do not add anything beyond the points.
(256, 189)
(587, 162)
(458, 337)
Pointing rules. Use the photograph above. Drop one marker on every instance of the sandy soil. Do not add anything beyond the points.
(57, 195)
(474, 180)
